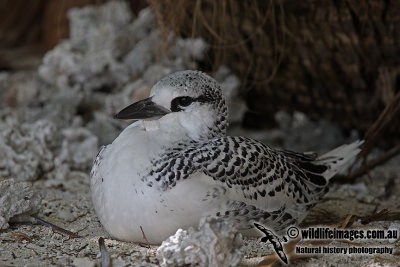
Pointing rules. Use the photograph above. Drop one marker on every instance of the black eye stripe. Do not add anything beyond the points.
(203, 99)
(179, 103)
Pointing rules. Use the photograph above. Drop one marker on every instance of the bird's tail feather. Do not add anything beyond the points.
(339, 159)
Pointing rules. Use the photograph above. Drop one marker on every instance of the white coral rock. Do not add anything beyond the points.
(215, 243)
(26, 149)
(17, 202)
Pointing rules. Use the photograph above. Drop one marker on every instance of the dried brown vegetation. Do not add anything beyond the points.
(332, 59)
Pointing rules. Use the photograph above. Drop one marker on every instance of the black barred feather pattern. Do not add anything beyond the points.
(291, 180)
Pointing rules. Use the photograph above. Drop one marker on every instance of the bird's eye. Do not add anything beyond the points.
(179, 103)
(184, 101)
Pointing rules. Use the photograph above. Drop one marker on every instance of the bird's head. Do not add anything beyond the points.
(191, 98)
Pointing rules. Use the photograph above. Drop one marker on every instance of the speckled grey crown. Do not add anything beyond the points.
(192, 81)
(197, 83)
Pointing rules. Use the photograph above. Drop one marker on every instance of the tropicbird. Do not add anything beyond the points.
(175, 165)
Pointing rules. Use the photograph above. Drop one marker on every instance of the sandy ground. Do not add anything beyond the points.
(68, 205)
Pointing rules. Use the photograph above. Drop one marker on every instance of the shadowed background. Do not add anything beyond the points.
(338, 60)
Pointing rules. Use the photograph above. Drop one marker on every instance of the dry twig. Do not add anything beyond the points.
(377, 129)
(145, 238)
(56, 228)
(19, 236)
(383, 215)
(105, 257)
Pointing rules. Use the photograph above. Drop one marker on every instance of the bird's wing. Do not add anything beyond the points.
(250, 171)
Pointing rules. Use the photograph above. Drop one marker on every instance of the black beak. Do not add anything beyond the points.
(143, 109)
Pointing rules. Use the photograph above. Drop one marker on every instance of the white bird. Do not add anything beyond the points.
(176, 165)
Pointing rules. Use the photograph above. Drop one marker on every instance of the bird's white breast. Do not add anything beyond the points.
(124, 202)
